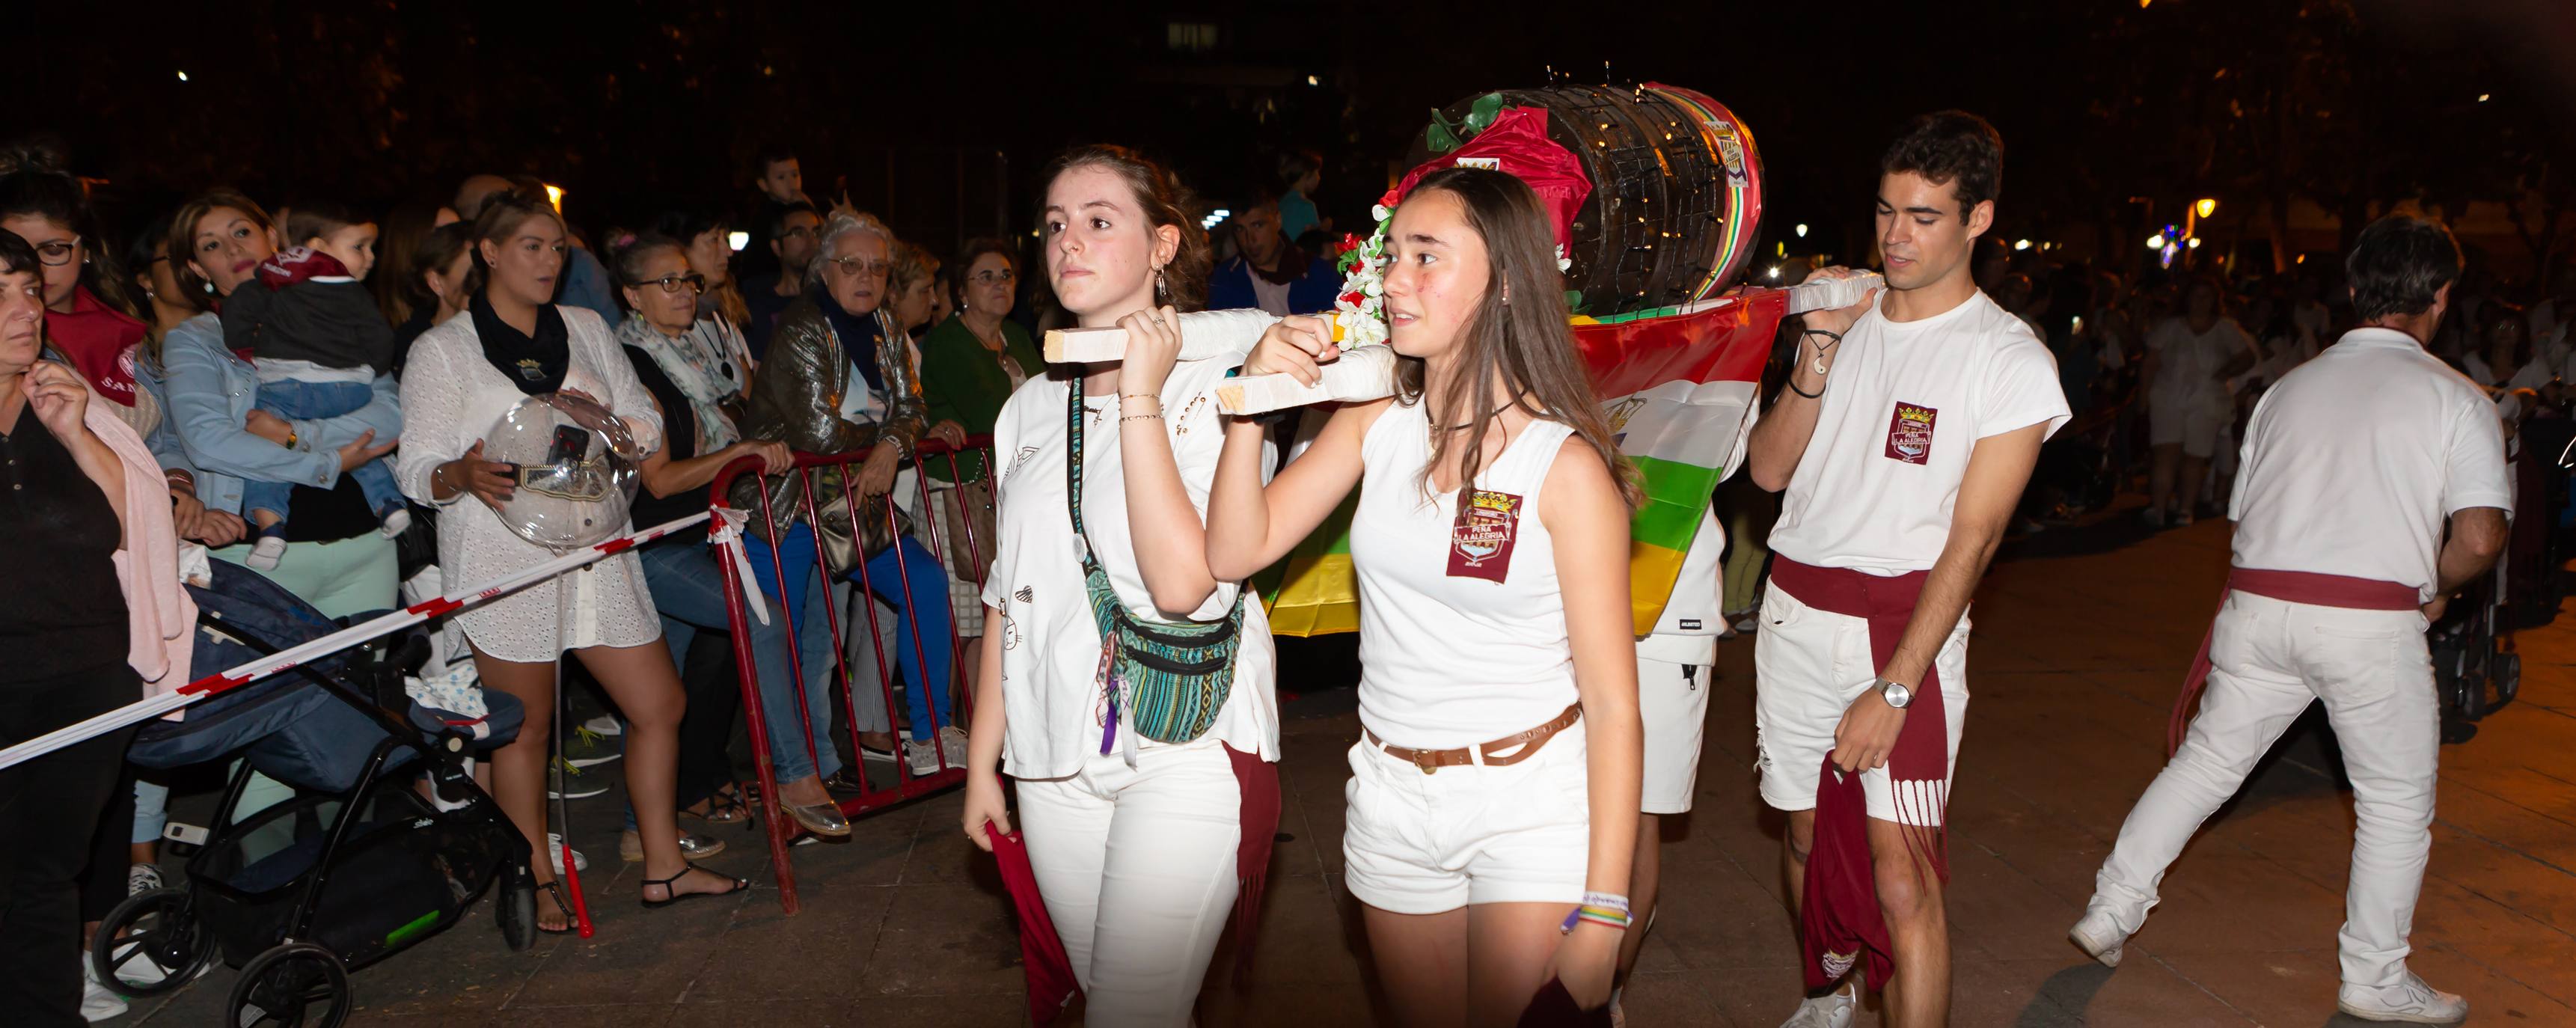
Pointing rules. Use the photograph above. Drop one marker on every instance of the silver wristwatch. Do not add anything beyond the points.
(1897, 694)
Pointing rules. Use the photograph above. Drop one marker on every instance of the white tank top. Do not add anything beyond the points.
(1462, 628)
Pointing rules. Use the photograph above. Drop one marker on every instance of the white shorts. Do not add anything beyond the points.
(1672, 699)
(1809, 665)
(2192, 424)
(1419, 843)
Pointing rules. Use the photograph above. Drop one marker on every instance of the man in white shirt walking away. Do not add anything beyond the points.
(1909, 426)
(2353, 466)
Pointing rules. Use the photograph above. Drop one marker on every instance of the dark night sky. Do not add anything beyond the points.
(633, 106)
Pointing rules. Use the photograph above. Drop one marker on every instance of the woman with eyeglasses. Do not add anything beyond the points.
(87, 316)
(514, 342)
(840, 380)
(707, 236)
(970, 364)
(696, 371)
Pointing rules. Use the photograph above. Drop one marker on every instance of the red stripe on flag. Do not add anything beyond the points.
(1726, 344)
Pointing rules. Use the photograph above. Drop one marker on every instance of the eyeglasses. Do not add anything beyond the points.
(59, 252)
(696, 283)
(855, 266)
(799, 232)
(1002, 277)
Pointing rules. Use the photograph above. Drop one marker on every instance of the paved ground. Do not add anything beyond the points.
(2075, 662)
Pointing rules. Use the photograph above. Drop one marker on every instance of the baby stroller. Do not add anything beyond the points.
(355, 867)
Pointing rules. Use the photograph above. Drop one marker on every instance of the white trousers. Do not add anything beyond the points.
(2270, 658)
(1137, 867)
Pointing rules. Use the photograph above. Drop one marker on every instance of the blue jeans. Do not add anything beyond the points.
(688, 590)
(301, 401)
(908, 579)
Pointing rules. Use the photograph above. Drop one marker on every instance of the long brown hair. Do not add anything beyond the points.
(1164, 201)
(1526, 345)
(183, 240)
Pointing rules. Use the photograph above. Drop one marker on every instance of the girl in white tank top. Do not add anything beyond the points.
(1498, 765)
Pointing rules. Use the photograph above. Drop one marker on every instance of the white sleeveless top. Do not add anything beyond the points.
(1462, 628)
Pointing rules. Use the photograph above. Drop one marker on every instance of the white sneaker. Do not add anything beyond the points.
(954, 738)
(396, 523)
(555, 851)
(923, 757)
(603, 725)
(2410, 1001)
(2154, 517)
(97, 1004)
(2099, 935)
(1831, 1010)
(265, 553)
(142, 878)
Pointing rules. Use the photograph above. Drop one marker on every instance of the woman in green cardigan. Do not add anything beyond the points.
(970, 364)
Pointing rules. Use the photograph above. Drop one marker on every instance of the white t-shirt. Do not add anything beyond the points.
(2188, 362)
(1905, 404)
(1050, 641)
(1687, 631)
(2533, 374)
(2352, 463)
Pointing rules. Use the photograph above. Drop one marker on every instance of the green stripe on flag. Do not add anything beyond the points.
(1676, 495)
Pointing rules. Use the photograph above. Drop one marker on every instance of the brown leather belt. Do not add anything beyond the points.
(1433, 760)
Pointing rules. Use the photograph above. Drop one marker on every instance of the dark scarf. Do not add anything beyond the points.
(1293, 265)
(536, 364)
(860, 335)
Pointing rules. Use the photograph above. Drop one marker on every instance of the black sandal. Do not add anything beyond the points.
(572, 921)
(724, 807)
(671, 886)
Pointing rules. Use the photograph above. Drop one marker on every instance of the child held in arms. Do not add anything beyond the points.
(318, 341)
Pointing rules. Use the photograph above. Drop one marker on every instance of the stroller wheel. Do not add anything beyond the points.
(516, 908)
(284, 985)
(151, 944)
(2508, 678)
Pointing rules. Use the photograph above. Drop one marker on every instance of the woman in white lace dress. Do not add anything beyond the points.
(461, 377)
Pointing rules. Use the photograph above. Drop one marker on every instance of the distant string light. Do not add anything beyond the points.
(2021, 244)
(183, 77)
(1802, 230)
(1214, 216)
(2482, 97)
(1313, 81)
(737, 240)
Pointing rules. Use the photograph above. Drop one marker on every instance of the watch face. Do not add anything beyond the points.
(1896, 694)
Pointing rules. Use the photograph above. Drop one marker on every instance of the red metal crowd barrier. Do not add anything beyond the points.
(771, 525)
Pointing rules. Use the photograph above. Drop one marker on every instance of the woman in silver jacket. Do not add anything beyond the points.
(837, 379)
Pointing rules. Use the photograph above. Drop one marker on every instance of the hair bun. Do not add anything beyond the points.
(32, 156)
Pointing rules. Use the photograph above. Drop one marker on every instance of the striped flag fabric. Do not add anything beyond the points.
(1678, 386)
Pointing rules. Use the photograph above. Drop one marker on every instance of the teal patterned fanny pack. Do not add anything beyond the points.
(1168, 680)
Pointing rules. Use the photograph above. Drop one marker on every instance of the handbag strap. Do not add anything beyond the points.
(1095, 581)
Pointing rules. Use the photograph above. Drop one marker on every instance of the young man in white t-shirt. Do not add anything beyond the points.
(2354, 466)
(1909, 425)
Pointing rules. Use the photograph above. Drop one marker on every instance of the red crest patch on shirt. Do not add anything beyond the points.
(1909, 433)
(1480, 542)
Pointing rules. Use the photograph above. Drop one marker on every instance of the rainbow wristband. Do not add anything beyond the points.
(1603, 916)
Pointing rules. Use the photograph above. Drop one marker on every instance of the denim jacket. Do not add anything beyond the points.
(206, 396)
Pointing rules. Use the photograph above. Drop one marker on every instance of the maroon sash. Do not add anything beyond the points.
(2308, 587)
(1842, 895)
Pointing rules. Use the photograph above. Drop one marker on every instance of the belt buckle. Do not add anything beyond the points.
(1426, 760)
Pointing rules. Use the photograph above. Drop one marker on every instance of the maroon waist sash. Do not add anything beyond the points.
(2308, 587)
(1840, 912)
